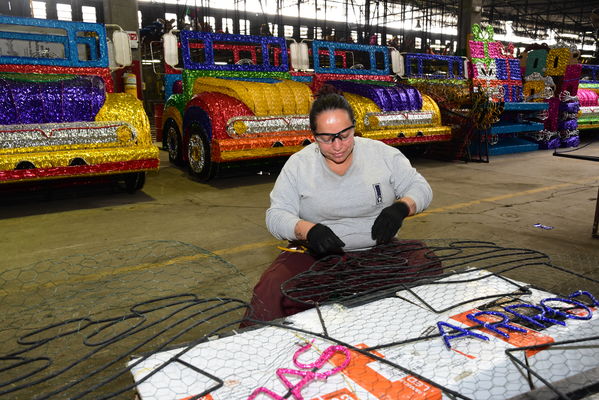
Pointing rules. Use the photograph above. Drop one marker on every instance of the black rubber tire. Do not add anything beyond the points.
(199, 160)
(172, 142)
(135, 181)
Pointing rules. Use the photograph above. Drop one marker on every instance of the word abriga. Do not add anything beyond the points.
(545, 314)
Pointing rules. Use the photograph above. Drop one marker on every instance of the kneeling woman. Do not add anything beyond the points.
(340, 194)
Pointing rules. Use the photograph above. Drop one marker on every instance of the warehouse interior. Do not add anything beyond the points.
(103, 269)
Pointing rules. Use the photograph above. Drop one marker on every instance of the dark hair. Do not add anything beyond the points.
(326, 102)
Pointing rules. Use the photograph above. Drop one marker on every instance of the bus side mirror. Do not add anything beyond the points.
(397, 62)
(171, 49)
(299, 56)
(294, 57)
(304, 56)
(122, 49)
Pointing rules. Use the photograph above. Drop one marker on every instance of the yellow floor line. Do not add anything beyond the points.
(502, 197)
(139, 267)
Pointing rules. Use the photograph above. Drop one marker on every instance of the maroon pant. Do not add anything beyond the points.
(269, 302)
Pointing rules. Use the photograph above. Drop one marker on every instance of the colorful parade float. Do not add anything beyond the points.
(229, 111)
(395, 113)
(237, 98)
(552, 76)
(479, 96)
(59, 115)
(501, 104)
(495, 71)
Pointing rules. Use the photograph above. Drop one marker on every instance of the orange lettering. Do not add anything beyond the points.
(207, 397)
(343, 394)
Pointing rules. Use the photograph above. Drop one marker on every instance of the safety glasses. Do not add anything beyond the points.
(330, 137)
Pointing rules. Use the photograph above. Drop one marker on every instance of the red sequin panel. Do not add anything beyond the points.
(320, 79)
(220, 108)
(79, 170)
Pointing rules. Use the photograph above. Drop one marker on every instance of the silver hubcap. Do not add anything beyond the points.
(173, 142)
(197, 154)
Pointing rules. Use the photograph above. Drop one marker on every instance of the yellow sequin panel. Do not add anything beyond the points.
(61, 156)
(258, 92)
(302, 95)
(557, 61)
(287, 98)
(532, 88)
(361, 106)
(429, 104)
(282, 98)
(125, 107)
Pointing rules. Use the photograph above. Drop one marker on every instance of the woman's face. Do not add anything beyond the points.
(341, 146)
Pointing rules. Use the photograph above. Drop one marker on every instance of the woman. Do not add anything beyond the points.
(341, 193)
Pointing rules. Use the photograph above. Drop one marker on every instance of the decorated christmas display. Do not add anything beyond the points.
(59, 116)
(493, 68)
(552, 76)
(495, 71)
(395, 113)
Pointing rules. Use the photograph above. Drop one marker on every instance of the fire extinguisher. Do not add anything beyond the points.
(130, 83)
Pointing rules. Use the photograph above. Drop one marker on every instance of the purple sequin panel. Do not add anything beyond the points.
(550, 144)
(570, 125)
(387, 98)
(572, 107)
(69, 100)
(572, 141)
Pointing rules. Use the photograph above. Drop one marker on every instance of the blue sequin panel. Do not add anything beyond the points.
(331, 47)
(428, 66)
(202, 57)
(80, 44)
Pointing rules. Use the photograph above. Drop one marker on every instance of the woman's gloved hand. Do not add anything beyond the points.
(323, 241)
(389, 221)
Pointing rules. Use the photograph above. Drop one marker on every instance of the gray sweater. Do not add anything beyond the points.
(307, 189)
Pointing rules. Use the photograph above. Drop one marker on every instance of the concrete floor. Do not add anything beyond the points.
(498, 202)
(94, 251)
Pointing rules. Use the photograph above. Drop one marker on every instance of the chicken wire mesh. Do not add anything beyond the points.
(418, 320)
(68, 326)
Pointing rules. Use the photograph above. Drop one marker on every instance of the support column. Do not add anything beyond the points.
(367, 32)
(76, 10)
(470, 13)
(20, 8)
(5, 8)
(51, 12)
(124, 14)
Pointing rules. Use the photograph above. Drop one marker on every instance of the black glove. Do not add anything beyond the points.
(323, 241)
(389, 221)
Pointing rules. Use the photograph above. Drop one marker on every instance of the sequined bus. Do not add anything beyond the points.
(237, 101)
(59, 115)
(385, 110)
